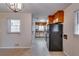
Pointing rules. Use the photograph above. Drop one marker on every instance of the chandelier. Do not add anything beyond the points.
(15, 7)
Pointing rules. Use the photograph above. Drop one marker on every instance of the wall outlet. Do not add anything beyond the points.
(16, 44)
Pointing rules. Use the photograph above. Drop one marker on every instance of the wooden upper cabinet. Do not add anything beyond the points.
(40, 23)
(58, 17)
(50, 19)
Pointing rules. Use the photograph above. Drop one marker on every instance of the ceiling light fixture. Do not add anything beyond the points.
(15, 7)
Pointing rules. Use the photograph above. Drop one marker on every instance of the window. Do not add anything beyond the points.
(14, 25)
(77, 22)
(41, 28)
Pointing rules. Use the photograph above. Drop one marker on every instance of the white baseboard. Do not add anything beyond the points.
(66, 54)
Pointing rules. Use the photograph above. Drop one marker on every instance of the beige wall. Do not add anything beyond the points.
(71, 45)
(10, 40)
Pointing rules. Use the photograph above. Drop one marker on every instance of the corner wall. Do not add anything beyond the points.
(71, 45)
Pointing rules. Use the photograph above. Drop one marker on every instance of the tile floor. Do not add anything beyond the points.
(39, 48)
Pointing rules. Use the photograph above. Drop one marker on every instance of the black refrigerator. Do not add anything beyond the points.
(55, 37)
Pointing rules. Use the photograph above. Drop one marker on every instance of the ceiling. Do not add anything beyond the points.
(37, 9)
